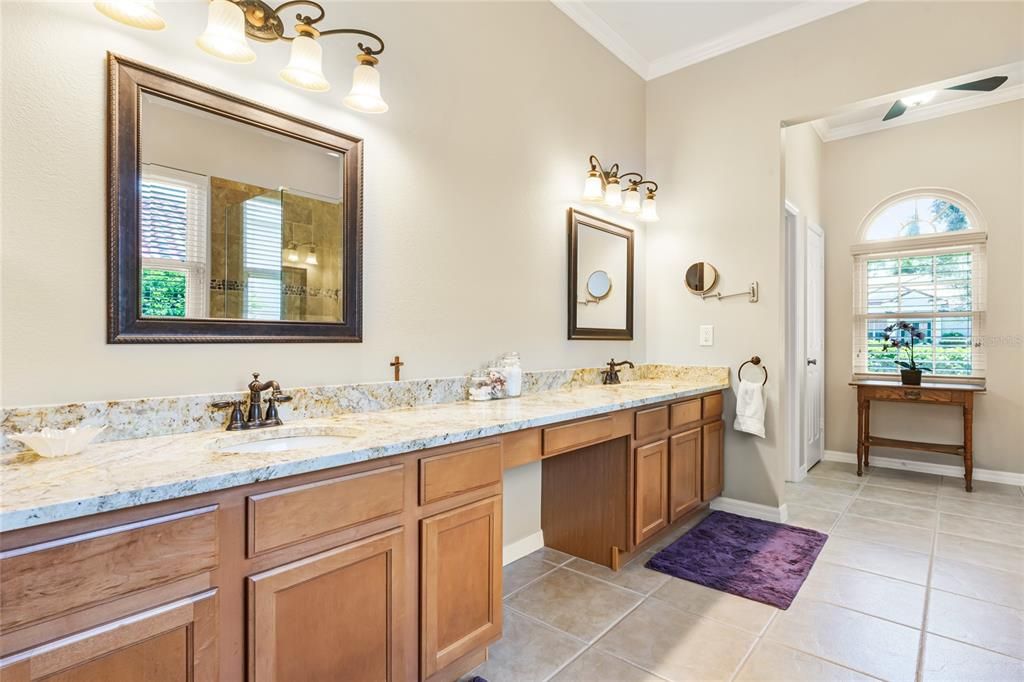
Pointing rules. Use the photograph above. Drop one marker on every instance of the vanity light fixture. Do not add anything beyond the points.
(231, 22)
(291, 252)
(311, 256)
(606, 186)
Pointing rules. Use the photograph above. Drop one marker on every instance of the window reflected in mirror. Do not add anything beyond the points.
(236, 222)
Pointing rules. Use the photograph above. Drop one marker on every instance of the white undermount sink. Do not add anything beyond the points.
(249, 443)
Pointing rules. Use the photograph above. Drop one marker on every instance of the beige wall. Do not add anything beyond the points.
(494, 109)
(979, 154)
(713, 143)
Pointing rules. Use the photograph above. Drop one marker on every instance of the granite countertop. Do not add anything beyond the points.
(127, 473)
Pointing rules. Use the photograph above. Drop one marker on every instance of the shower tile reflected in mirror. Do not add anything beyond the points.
(236, 222)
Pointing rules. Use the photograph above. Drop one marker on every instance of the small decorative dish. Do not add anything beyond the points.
(59, 442)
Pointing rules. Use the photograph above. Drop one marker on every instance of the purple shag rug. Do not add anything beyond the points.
(759, 560)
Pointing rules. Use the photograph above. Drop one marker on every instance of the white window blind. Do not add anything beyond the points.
(262, 229)
(173, 210)
(941, 290)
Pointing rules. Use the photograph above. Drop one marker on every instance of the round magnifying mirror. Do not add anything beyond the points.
(701, 277)
(599, 284)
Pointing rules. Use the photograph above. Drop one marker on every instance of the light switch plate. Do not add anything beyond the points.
(707, 335)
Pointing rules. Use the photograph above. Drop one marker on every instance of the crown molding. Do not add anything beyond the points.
(769, 26)
(600, 31)
(925, 113)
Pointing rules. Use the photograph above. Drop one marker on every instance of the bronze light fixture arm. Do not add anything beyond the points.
(266, 23)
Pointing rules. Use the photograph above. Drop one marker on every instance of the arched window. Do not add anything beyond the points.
(921, 259)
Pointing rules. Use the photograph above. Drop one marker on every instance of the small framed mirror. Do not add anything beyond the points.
(701, 278)
(229, 221)
(600, 278)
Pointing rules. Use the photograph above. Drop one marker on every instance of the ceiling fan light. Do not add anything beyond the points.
(224, 36)
(365, 93)
(135, 13)
(305, 67)
(613, 193)
(631, 201)
(918, 99)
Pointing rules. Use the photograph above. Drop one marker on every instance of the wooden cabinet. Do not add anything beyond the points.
(460, 574)
(684, 471)
(713, 464)
(335, 615)
(651, 500)
(175, 642)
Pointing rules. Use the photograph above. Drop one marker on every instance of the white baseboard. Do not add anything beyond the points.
(751, 509)
(522, 547)
(950, 470)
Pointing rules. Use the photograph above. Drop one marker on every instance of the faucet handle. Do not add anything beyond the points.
(235, 423)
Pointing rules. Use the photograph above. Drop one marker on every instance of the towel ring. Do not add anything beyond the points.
(756, 361)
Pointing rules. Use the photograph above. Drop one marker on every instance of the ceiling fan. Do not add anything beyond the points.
(901, 105)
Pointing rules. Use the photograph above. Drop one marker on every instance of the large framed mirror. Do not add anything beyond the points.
(229, 221)
(600, 278)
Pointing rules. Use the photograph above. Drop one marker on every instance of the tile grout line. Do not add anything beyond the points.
(919, 672)
(590, 644)
(757, 640)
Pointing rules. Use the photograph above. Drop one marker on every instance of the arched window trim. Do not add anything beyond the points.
(977, 233)
(970, 240)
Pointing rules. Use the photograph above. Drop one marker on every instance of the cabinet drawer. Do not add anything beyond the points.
(712, 406)
(650, 423)
(69, 574)
(521, 447)
(571, 436)
(684, 413)
(289, 515)
(446, 475)
(924, 395)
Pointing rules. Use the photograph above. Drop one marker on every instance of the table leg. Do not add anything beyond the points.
(860, 436)
(867, 434)
(968, 441)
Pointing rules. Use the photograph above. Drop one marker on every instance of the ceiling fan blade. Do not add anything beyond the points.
(897, 109)
(983, 85)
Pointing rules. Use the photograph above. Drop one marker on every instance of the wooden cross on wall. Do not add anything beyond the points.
(397, 364)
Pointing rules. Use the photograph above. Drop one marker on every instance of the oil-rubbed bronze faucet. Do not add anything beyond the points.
(611, 375)
(255, 418)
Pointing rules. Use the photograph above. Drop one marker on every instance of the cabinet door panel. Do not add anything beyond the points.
(713, 460)
(331, 616)
(651, 489)
(175, 642)
(684, 473)
(461, 582)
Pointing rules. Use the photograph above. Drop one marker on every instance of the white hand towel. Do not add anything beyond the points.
(750, 408)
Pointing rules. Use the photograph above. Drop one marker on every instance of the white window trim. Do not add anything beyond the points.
(975, 238)
(197, 302)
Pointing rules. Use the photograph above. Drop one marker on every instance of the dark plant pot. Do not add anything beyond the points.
(910, 377)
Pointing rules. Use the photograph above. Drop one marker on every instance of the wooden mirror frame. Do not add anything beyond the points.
(577, 218)
(127, 79)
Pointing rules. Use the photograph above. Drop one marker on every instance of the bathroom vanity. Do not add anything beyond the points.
(370, 550)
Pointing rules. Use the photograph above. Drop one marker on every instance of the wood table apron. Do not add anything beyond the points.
(926, 394)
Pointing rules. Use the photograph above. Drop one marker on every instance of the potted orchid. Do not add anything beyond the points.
(903, 336)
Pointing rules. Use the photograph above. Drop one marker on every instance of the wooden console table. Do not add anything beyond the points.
(961, 395)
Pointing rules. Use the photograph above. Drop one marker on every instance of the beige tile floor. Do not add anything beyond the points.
(918, 581)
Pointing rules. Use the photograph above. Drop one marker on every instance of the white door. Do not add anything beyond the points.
(814, 328)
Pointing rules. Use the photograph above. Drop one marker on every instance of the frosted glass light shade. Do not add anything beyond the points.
(613, 193)
(311, 257)
(291, 254)
(305, 68)
(592, 190)
(631, 201)
(365, 93)
(649, 210)
(135, 13)
(224, 36)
